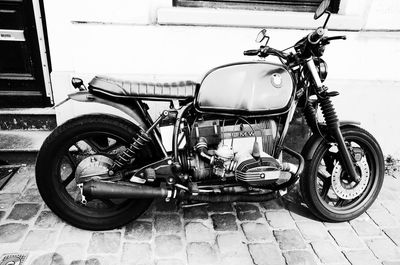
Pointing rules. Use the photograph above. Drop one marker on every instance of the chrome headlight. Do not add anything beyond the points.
(322, 68)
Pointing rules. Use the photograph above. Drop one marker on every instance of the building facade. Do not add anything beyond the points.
(182, 39)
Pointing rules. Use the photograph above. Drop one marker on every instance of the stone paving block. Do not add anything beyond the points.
(237, 259)
(104, 259)
(346, 238)
(384, 249)
(220, 207)
(49, 259)
(72, 234)
(313, 231)
(12, 232)
(393, 234)
(383, 218)
(201, 253)
(71, 252)
(376, 206)
(289, 239)
(247, 212)
(168, 223)
(300, 212)
(139, 230)
(166, 207)
(39, 240)
(47, 219)
(7, 200)
(341, 225)
(297, 257)
(231, 244)
(328, 252)
(391, 263)
(24, 211)
(257, 232)
(19, 181)
(195, 212)
(273, 205)
(280, 219)
(168, 245)
(266, 254)
(224, 222)
(361, 257)
(198, 232)
(31, 195)
(136, 253)
(170, 262)
(365, 227)
(104, 242)
(392, 207)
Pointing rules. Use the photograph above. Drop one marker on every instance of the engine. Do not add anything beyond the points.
(234, 149)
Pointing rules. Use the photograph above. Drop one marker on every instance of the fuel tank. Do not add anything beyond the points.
(246, 88)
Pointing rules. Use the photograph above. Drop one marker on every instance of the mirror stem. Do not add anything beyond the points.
(327, 18)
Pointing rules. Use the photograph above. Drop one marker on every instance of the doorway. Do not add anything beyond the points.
(24, 62)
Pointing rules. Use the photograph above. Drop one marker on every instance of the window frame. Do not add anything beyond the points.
(261, 5)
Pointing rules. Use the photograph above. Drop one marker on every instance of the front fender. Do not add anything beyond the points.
(85, 96)
(315, 140)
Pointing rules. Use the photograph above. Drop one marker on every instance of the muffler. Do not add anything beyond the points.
(111, 190)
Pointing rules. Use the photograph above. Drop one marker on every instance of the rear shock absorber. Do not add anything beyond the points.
(143, 137)
(130, 153)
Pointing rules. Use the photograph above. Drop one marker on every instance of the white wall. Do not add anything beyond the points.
(144, 40)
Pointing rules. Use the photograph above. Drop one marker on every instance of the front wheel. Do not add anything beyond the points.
(325, 185)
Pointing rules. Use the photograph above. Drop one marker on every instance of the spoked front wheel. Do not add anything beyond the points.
(80, 150)
(326, 187)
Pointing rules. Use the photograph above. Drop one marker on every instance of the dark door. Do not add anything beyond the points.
(22, 83)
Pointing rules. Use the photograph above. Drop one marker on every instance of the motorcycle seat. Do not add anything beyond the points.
(144, 90)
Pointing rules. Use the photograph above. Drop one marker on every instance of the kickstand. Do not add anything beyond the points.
(7, 171)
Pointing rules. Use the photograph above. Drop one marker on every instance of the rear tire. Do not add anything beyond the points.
(59, 156)
(323, 201)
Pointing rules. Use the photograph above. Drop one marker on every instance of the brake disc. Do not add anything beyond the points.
(93, 167)
(350, 190)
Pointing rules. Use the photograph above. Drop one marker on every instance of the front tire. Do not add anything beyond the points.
(330, 204)
(84, 138)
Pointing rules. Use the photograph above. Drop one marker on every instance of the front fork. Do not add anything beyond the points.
(332, 122)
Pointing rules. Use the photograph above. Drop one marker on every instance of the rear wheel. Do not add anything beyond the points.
(86, 146)
(326, 187)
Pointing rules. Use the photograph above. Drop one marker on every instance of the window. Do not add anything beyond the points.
(279, 5)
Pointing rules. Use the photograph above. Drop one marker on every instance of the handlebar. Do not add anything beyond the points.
(251, 52)
(265, 51)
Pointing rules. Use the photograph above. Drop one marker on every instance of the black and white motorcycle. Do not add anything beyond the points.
(101, 171)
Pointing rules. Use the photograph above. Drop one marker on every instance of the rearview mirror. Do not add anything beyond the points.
(261, 35)
(322, 9)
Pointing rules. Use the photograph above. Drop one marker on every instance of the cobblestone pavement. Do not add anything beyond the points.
(276, 232)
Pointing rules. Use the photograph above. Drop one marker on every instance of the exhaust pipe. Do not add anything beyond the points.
(111, 190)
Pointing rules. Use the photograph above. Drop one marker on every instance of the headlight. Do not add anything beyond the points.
(322, 68)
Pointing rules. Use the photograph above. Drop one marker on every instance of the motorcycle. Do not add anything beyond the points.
(101, 171)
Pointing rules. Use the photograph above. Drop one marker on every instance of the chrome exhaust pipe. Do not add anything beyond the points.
(117, 190)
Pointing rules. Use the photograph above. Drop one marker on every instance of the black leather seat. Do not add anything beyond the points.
(144, 90)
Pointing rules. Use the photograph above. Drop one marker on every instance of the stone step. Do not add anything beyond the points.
(21, 146)
(43, 119)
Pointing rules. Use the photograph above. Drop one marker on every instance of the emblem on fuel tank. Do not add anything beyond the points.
(276, 80)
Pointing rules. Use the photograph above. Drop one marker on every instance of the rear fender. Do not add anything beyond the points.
(315, 140)
(85, 96)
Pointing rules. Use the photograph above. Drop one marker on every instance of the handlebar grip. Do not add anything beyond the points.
(336, 38)
(251, 52)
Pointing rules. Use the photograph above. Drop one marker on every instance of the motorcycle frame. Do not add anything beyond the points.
(137, 110)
